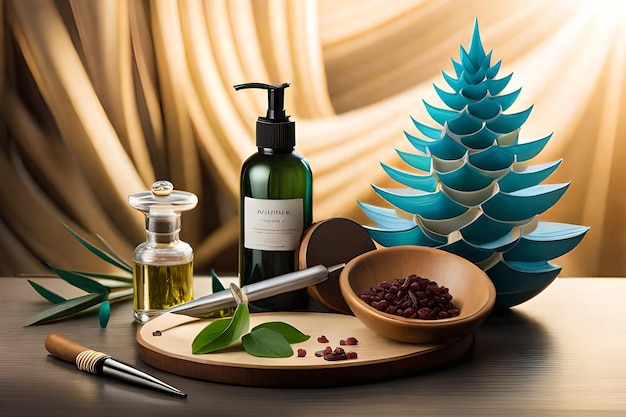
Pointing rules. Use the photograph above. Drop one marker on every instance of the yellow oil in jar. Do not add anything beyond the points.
(158, 287)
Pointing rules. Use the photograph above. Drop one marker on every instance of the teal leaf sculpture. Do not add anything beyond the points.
(471, 191)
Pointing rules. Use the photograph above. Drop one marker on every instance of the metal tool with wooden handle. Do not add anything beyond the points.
(257, 291)
(98, 363)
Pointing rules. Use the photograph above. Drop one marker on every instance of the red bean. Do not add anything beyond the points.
(351, 341)
(454, 312)
(423, 312)
(391, 310)
(407, 282)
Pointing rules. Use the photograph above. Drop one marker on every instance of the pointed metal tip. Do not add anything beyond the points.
(168, 389)
(336, 267)
(124, 372)
(179, 393)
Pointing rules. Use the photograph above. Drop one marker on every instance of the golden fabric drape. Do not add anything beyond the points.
(100, 98)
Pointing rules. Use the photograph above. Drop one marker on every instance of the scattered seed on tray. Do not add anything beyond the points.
(349, 341)
(327, 351)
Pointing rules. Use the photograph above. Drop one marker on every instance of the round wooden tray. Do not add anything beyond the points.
(378, 358)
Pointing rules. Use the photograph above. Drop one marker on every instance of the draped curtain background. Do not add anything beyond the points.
(101, 98)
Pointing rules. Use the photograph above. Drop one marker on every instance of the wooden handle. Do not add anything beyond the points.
(63, 348)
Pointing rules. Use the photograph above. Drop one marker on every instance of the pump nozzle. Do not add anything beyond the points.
(275, 130)
(275, 99)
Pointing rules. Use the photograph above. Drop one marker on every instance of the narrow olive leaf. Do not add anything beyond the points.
(266, 343)
(78, 280)
(290, 333)
(104, 313)
(215, 282)
(46, 293)
(67, 308)
(98, 252)
(113, 253)
(109, 277)
(237, 326)
(120, 294)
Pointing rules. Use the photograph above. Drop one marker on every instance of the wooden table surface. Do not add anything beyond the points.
(561, 354)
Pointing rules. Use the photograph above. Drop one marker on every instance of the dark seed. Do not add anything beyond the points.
(423, 312)
(336, 357)
(327, 351)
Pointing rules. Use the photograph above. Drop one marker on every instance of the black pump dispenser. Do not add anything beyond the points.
(275, 130)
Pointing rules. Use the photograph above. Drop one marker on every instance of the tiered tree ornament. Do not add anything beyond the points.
(474, 193)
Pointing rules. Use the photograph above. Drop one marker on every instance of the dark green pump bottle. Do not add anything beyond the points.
(276, 203)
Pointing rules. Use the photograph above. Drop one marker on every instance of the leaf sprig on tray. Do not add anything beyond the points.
(269, 340)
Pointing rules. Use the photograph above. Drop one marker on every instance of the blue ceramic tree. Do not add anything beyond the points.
(471, 190)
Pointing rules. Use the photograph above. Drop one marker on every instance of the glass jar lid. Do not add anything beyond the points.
(163, 197)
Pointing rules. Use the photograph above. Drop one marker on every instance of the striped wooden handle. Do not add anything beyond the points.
(63, 348)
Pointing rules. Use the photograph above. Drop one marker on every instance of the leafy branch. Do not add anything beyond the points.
(102, 289)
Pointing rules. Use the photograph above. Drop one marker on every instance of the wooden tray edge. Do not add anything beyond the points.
(454, 351)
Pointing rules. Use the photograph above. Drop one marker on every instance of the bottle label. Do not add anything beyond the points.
(273, 225)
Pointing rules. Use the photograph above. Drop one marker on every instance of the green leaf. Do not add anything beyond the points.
(78, 280)
(290, 333)
(266, 343)
(101, 254)
(113, 253)
(215, 282)
(211, 332)
(104, 313)
(67, 308)
(120, 293)
(111, 277)
(221, 333)
(47, 294)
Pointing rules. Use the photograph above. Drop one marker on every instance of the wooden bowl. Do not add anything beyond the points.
(472, 291)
